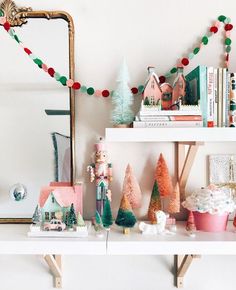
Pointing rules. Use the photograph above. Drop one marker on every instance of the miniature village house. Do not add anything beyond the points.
(155, 94)
(55, 201)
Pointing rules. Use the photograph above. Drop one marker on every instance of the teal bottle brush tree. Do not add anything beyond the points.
(122, 100)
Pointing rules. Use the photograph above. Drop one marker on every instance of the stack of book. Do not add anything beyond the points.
(167, 119)
(214, 88)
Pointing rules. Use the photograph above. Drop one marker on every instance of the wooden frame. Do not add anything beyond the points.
(17, 17)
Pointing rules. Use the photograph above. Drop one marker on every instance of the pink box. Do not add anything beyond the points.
(210, 222)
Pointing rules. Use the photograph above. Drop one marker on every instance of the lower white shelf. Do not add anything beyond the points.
(14, 241)
(179, 244)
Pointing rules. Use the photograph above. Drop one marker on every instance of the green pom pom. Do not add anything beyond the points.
(228, 48)
(38, 62)
(63, 80)
(90, 91)
(173, 70)
(221, 18)
(228, 41)
(1, 13)
(191, 55)
(227, 20)
(11, 32)
(16, 38)
(83, 89)
(205, 40)
(57, 76)
(140, 89)
(167, 75)
(196, 50)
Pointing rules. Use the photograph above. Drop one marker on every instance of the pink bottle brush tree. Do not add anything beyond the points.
(131, 188)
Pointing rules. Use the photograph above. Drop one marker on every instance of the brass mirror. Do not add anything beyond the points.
(36, 113)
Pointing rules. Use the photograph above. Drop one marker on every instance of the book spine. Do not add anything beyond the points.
(227, 105)
(215, 96)
(219, 97)
(172, 124)
(210, 97)
(169, 113)
(170, 118)
(232, 96)
(224, 96)
(203, 92)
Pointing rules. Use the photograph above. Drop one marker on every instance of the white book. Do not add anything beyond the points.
(215, 96)
(210, 97)
(170, 113)
(167, 124)
(219, 96)
(224, 96)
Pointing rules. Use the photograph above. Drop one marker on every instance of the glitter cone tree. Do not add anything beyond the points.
(174, 202)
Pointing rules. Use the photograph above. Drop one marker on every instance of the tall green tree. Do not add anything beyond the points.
(107, 219)
(71, 220)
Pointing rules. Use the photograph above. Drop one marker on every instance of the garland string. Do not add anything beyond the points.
(135, 90)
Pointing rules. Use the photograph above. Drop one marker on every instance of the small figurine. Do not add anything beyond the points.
(101, 172)
(158, 228)
(190, 225)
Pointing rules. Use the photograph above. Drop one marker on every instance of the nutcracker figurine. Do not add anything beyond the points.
(101, 172)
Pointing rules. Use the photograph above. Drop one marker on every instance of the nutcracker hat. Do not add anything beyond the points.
(100, 146)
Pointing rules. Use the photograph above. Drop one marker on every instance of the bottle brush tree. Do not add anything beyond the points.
(125, 217)
(122, 99)
(107, 219)
(163, 178)
(37, 216)
(174, 201)
(131, 188)
(80, 220)
(71, 219)
(155, 203)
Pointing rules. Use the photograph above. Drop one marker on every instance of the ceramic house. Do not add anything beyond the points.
(55, 201)
(152, 91)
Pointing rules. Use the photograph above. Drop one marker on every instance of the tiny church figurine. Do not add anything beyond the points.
(101, 172)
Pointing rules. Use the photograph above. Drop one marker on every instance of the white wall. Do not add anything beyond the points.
(146, 33)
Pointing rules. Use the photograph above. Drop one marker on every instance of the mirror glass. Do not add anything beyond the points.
(34, 115)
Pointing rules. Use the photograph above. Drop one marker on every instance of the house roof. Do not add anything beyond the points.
(65, 196)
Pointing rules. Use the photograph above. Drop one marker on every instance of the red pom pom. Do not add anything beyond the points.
(227, 57)
(27, 51)
(51, 72)
(214, 29)
(105, 93)
(134, 91)
(162, 79)
(185, 61)
(228, 27)
(7, 26)
(76, 86)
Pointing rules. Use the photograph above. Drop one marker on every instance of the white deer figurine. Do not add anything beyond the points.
(155, 229)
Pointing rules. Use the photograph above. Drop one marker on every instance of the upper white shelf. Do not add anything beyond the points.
(170, 134)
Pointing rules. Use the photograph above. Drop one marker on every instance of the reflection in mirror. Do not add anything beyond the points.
(34, 115)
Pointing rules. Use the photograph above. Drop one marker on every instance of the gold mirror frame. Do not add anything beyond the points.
(17, 16)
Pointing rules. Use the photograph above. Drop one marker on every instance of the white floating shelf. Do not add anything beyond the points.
(14, 241)
(203, 243)
(170, 134)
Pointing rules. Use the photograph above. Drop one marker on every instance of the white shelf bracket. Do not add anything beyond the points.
(54, 264)
(185, 162)
(182, 265)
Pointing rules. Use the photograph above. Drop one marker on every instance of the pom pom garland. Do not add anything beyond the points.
(135, 90)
